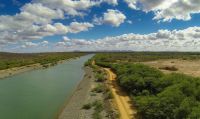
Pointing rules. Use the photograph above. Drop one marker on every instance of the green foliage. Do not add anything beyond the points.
(159, 96)
(143, 56)
(137, 78)
(156, 95)
(10, 60)
(88, 63)
(98, 108)
(98, 89)
(87, 106)
(100, 77)
(108, 95)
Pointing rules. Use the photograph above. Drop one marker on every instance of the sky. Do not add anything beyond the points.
(99, 25)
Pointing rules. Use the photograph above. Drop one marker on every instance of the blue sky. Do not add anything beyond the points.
(144, 25)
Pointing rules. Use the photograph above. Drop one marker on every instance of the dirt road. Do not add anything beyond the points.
(121, 99)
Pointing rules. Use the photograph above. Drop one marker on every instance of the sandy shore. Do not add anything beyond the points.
(73, 107)
(81, 96)
(17, 70)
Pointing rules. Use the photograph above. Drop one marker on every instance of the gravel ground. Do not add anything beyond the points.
(83, 95)
(73, 107)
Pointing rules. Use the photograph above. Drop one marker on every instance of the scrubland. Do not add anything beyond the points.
(154, 93)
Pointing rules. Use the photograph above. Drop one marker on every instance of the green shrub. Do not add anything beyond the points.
(100, 77)
(98, 89)
(98, 108)
(108, 95)
(156, 95)
(87, 106)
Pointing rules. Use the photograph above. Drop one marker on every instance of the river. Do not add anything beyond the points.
(40, 94)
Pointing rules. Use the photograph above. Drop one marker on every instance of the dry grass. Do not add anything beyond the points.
(190, 67)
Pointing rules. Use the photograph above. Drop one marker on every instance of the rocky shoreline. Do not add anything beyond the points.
(83, 95)
(73, 107)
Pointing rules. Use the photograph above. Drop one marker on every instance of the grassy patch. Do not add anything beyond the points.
(98, 108)
(98, 89)
(87, 106)
(10, 60)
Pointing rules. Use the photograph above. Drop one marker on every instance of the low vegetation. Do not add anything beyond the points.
(156, 95)
(144, 56)
(87, 106)
(97, 105)
(169, 68)
(98, 89)
(98, 108)
(10, 60)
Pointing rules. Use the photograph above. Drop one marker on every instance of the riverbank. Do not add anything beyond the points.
(84, 95)
(17, 70)
(72, 108)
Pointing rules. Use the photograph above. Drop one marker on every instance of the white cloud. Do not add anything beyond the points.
(60, 44)
(163, 40)
(131, 3)
(74, 7)
(36, 19)
(165, 10)
(129, 21)
(37, 12)
(66, 39)
(29, 44)
(44, 42)
(112, 2)
(76, 27)
(113, 17)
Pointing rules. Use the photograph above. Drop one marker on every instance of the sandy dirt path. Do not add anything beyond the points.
(121, 99)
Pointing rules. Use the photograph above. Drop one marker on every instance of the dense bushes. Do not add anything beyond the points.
(10, 60)
(144, 56)
(156, 95)
(159, 96)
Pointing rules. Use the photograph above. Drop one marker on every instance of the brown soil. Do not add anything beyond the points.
(121, 99)
(189, 67)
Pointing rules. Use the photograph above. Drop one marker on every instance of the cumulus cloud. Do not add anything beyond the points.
(37, 19)
(33, 22)
(112, 2)
(165, 10)
(163, 40)
(129, 21)
(76, 27)
(74, 7)
(29, 44)
(44, 43)
(131, 3)
(60, 44)
(65, 39)
(113, 17)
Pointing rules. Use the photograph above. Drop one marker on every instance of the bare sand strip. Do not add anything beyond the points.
(17, 70)
(121, 99)
(73, 107)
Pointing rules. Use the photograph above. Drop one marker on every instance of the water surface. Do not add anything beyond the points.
(40, 94)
